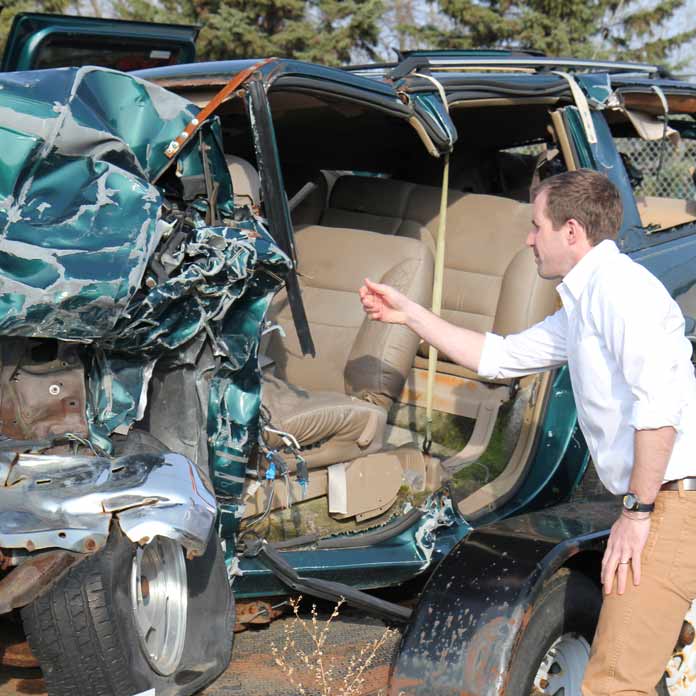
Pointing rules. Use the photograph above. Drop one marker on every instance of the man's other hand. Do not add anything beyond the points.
(626, 542)
(384, 303)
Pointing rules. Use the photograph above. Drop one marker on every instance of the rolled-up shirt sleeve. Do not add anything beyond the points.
(539, 348)
(644, 333)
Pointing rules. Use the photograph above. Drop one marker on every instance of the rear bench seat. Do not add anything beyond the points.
(490, 279)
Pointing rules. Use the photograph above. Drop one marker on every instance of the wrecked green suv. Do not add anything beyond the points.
(194, 406)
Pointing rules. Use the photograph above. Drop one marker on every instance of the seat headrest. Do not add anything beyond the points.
(246, 183)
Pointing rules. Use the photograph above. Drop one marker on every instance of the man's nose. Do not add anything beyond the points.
(530, 239)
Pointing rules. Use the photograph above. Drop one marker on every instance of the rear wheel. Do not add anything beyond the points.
(129, 619)
(555, 648)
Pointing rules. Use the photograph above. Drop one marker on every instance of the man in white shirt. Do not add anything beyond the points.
(622, 336)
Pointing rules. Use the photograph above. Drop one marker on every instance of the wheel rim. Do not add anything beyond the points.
(563, 667)
(159, 593)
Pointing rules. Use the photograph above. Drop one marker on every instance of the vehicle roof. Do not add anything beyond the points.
(477, 74)
(220, 72)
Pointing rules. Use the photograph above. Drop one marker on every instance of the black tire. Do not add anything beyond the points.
(83, 632)
(569, 603)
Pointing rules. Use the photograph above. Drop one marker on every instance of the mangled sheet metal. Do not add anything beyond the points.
(68, 502)
(79, 218)
(132, 274)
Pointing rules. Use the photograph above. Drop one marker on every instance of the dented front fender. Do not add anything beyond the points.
(64, 502)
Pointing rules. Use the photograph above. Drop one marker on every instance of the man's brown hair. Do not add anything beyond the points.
(586, 196)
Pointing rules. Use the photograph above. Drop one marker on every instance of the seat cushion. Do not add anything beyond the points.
(355, 356)
(330, 427)
(490, 279)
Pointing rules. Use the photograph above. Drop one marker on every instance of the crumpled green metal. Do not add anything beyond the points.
(80, 225)
(597, 88)
(78, 215)
(434, 112)
(217, 269)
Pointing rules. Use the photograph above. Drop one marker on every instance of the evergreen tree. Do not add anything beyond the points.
(400, 18)
(618, 29)
(325, 31)
(9, 8)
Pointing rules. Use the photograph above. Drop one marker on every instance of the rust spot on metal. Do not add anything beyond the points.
(144, 587)
(30, 579)
(229, 89)
(686, 635)
(90, 544)
(255, 612)
(14, 649)
(30, 546)
(400, 685)
(41, 396)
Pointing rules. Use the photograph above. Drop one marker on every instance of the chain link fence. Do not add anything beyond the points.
(672, 179)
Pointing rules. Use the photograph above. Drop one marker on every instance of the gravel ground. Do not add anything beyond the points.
(253, 671)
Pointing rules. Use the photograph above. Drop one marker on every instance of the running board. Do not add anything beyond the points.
(327, 589)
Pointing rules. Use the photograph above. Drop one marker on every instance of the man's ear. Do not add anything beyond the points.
(575, 232)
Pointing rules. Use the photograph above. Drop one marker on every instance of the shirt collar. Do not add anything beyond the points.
(578, 277)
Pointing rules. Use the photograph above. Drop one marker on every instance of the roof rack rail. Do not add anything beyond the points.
(435, 63)
(471, 52)
(369, 68)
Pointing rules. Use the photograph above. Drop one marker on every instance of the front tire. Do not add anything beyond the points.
(129, 619)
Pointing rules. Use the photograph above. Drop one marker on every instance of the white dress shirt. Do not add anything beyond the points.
(622, 336)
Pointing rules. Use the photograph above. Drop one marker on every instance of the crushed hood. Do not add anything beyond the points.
(78, 217)
(91, 251)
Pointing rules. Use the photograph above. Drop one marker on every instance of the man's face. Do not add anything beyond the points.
(551, 250)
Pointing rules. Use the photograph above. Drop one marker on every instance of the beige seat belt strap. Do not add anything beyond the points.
(582, 104)
(437, 303)
(665, 111)
(438, 279)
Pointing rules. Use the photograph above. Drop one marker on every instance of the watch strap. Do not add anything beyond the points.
(631, 503)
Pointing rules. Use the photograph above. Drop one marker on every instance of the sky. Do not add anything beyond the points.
(685, 17)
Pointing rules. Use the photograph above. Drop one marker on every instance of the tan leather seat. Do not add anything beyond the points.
(491, 282)
(246, 184)
(336, 404)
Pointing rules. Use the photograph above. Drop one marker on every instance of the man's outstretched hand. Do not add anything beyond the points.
(383, 303)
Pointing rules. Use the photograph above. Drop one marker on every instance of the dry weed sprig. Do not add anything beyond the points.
(316, 662)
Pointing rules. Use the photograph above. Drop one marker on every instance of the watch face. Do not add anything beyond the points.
(630, 502)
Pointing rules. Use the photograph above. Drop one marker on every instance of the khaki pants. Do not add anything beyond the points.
(637, 631)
